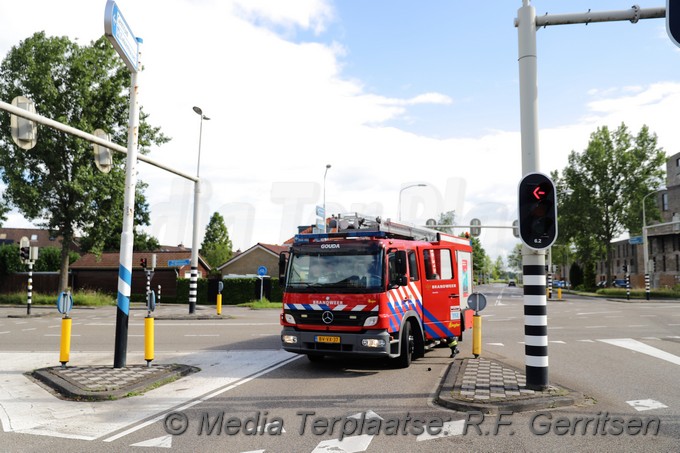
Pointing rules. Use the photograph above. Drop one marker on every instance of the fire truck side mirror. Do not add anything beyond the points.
(282, 268)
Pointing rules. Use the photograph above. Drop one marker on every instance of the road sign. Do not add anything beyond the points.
(537, 211)
(179, 263)
(635, 240)
(320, 212)
(262, 271)
(673, 20)
(120, 35)
(64, 303)
(477, 301)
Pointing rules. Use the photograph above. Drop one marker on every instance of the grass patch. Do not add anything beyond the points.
(263, 304)
(80, 299)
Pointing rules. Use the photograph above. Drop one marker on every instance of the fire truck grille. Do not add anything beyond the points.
(340, 318)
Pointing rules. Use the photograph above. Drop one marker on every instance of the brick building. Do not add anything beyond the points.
(663, 242)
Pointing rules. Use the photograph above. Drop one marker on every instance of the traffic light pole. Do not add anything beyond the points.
(535, 305)
(533, 261)
(29, 299)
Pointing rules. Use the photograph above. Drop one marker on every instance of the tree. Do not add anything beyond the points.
(481, 263)
(216, 245)
(515, 258)
(446, 218)
(498, 268)
(9, 259)
(4, 209)
(56, 184)
(602, 188)
(49, 259)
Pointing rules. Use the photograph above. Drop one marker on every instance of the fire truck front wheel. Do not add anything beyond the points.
(406, 348)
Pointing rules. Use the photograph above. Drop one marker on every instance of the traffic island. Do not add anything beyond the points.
(489, 386)
(103, 383)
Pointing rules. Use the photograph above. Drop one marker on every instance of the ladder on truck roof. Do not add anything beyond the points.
(354, 224)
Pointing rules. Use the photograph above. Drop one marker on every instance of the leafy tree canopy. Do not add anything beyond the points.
(601, 190)
(56, 184)
(216, 247)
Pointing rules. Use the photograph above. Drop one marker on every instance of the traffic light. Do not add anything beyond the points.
(537, 211)
(142, 262)
(24, 253)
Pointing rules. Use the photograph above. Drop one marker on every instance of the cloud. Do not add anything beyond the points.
(282, 108)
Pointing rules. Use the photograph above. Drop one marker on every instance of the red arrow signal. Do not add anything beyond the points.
(538, 193)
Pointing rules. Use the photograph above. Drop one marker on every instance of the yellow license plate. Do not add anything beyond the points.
(326, 339)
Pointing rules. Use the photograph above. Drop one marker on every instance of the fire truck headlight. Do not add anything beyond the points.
(373, 343)
(289, 318)
(371, 321)
(289, 339)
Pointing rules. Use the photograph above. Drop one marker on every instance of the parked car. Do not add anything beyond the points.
(512, 283)
(619, 283)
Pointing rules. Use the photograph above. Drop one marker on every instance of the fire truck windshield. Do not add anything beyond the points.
(358, 271)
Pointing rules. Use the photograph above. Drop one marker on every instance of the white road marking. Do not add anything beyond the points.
(495, 344)
(637, 346)
(352, 444)
(28, 408)
(646, 405)
(597, 312)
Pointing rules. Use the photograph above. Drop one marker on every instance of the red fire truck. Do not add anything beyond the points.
(374, 288)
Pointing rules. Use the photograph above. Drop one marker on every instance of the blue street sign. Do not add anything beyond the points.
(120, 35)
(635, 240)
(320, 211)
(262, 271)
(179, 263)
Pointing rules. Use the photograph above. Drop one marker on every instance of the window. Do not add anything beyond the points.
(664, 201)
(413, 266)
(34, 237)
(438, 264)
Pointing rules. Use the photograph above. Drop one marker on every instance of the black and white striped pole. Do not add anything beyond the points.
(538, 230)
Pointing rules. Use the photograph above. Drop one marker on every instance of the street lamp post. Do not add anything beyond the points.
(324, 197)
(193, 281)
(400, 192)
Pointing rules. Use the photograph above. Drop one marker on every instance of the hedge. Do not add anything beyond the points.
(236, 290)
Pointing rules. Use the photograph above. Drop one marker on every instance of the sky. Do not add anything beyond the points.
(390, 93)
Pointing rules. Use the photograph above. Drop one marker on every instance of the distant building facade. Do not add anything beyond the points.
(663, 242)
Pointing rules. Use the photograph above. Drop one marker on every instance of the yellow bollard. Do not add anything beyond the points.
(476, 335)
(65, 349)
(559, 293)
(219, 304)
(148, 340)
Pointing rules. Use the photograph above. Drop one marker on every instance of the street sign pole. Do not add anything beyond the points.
(128, 47)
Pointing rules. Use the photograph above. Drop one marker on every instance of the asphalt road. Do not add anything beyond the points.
(623, 356)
